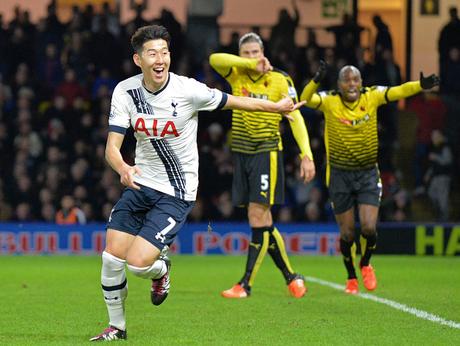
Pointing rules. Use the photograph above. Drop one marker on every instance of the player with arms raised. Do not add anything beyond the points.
(351, 142)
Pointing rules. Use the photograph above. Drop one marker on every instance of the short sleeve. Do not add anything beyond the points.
(205, 98)
(119, 119)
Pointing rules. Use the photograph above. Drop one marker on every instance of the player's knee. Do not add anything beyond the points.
(112, 262)
(347, 233)
(142, 272)
(368, 229)
(259, 216)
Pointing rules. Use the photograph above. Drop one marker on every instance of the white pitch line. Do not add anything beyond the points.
(395, 305)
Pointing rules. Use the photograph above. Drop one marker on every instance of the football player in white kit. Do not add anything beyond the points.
(161, 187)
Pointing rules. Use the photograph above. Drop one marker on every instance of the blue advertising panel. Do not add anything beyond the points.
(232, 239)
(194, 238)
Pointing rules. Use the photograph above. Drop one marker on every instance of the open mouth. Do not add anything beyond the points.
(158, 72)
(352, 92)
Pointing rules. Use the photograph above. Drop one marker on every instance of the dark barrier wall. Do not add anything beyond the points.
(232, 239)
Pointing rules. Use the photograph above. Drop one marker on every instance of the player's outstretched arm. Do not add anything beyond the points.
(115, 160)
(312, 86)
(411, 88)
(283, 106)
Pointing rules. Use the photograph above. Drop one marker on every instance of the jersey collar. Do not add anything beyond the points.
(159, 90)
(256, 79)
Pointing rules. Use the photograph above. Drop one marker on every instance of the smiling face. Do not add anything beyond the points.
(349, 83)
(154, 61)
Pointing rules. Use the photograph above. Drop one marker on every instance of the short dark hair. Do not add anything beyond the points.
(147, 33)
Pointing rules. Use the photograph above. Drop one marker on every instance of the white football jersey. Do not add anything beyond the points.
(165, 125)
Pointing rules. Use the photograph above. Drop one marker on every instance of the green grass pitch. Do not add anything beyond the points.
(58, 301)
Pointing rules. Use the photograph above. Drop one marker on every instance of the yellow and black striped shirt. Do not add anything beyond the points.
(350, 132)
(255, 132)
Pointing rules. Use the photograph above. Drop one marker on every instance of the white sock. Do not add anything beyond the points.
(114, 289)
(155, 271)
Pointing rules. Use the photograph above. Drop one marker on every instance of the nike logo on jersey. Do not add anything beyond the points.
(263, 194)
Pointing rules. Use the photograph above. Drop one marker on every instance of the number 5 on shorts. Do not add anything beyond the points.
(264, 182)
(161, 235)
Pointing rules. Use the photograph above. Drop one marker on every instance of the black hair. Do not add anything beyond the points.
(147, 33)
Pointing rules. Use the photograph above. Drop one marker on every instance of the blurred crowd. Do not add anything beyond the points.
(56, 81)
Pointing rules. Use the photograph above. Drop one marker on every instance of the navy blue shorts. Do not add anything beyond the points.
(153, 215)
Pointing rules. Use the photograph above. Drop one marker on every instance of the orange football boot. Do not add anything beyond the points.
(352, 286)
(369, 279)
(297, 287)
(237, 291)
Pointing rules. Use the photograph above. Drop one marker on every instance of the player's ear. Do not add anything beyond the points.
(137, 59)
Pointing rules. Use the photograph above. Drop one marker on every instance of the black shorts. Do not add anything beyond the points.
(348, 188)
(258, 178)
(153, 215)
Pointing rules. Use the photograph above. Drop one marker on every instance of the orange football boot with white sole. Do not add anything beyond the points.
(237, 291)
(297, 286)
(369, 279)
(352, 286)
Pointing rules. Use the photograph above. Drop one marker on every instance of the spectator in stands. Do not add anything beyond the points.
(430, 112)
(76, 55)
(70, 88)
(104, 79)
(203, 32)
(347, 38)
(387, 72)
(282, 38)
(232, 46)
(109, 17)
(439, 174)
(450, 88)
(50, 71)
(449, 38)
(312, 212)
(383, 40)
(69, 214)
(23, 212)
(4, 42)
(6, 212)
(47, 213)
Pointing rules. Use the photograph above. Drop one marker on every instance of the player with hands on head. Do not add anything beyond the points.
(258, 178)
(161, 187)
(352, 174)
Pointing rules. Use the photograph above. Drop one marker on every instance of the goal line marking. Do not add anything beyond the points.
(391, 303)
